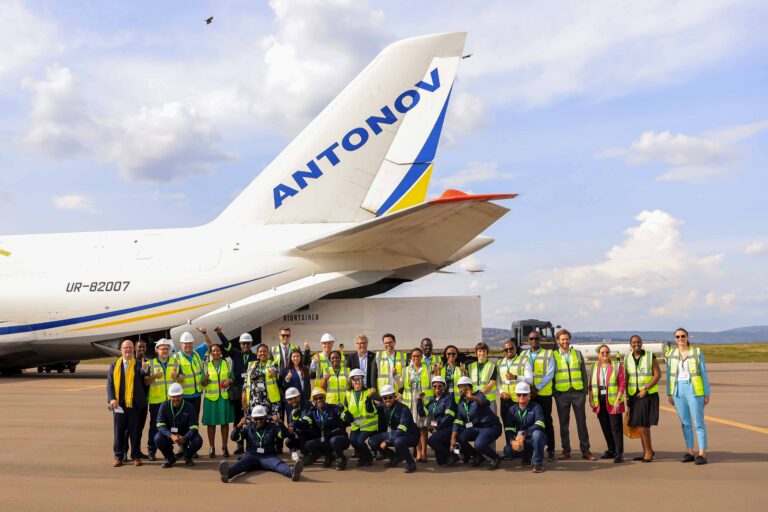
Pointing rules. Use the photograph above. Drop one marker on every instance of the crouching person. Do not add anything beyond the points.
(177, 425)
(525, 429)
(402, 434)
(260, 439)
(326, 424)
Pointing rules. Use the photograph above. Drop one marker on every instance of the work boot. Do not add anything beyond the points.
(364, 462)
(224, 471)
(152, 456)
(239, 450)
(477, 461)
(341, 463)
(188, 461)
(296, 470)
(168, 463)
(494, 464)
(394, 461)
(410, 468)
(551, 455)
(453, 459)
(538, 468)
(328, 461)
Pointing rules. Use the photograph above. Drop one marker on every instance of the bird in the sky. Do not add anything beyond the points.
(467, 56)
(209, 20)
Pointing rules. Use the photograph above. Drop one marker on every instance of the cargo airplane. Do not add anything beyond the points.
(340, 212)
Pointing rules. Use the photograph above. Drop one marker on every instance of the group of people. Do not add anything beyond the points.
(391, 405)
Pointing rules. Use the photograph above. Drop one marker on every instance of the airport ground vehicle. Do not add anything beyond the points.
(522, 328)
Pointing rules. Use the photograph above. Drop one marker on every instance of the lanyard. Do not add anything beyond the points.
(260, 437)
(391, 413)
(320, 419)
(466, 409)
(357, 395)
(604, 376)
(416, 378)
(522, 417)
(174, 413)
(218, 373)
(480, 370)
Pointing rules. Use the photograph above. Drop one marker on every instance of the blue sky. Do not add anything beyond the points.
(636, 136)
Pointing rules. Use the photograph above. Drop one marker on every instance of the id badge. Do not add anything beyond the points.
(603, 392)
(433, 423)
(468, 425)
(358, 422)
(174, 430)
(259, 450)
(242, 376)
(260, 385)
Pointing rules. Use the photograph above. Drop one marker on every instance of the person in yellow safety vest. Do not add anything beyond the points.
(688, 390)
(322, 360)
(217, 409)
(416, 387)
(335, 381)
(570, 392)
(450, 370)
(261, 386)
(390, 363)
(512, 368)
(365, 417)
(281, 353)
(607, 389)
(191, 368)
(543, 366)
(643, 375)
(162, 371)
(483, 374)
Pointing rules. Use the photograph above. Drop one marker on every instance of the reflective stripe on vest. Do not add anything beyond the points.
(408, 384)
(365, 421)
(337, 385)
(638, 376)
(481, 378)
(273, 392)
(192, 373)
(213, 389)
(539, 367)
(516, 366)
(612, 389)
(158, 389)
(456, 377)
(568, 373)
(384, 364)
(277, 353)
(694, 368)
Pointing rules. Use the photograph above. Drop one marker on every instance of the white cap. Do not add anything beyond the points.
(259, 412)
(186, 337)
(162, 342)
(246, 338)
(317, 392)
(522, 388)
(438, 378)
(464, 381)
(291, 393)
(387, 390)
(175, 390)
(357, 372)
(327, 337)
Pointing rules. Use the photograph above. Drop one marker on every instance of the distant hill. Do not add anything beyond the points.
(753, 334)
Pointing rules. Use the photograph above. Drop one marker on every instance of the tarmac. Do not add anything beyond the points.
(57, 455)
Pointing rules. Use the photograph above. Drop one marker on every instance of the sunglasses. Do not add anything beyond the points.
(356, 379)
(509, 350)
(388, 397)
(521, 394)
(534, 338)
(449, 354)
(285, 335)
(680, 336)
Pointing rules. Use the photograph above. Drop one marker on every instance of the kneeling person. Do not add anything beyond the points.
(260, 440)
(403, 433)
(177, 424)
(476, 422)
(525, 429)
(327, 425)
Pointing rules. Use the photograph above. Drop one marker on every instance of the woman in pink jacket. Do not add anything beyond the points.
(607, 389)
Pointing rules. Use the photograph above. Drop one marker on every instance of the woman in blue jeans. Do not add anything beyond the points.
(688, 390)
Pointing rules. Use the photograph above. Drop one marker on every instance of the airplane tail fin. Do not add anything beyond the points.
(370, 151)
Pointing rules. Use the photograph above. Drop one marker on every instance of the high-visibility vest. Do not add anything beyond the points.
(192, 373)
(612, 389)
(539, 367)
(694, 368)
(481, 377)
(277, 354)
(273, 392)
(364, 420)
(504, 366)
(638, 375)
(324, 362)
(337, 385)
(456, 375)
(568, 373)
(158, 389)
(384, 363)
(409, 386)
(213, 389)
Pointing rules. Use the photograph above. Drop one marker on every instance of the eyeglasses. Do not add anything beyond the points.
(535, 338)
(521, 394)
(449, 354)
(285, 335)
(356, 379)
(680, 336)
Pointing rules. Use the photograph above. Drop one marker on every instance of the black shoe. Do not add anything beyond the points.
(410, 468)
(465, 458)
(394, 461)
(188, 461)
(143, 456)
(341, 463)
(538, 468)
(551, 455)
(364, 462)
(328, 461)
(618, 459)
(308, 459)
(700, 460)
(453, 459)
(525, 462)
(477, 461)
(495, 463)
(168, 463)
(224, 471)
(225, 452)
(152, 456)
(298, 466)
(688, 458)
(196, 455)
(239, 450)
(607, 455)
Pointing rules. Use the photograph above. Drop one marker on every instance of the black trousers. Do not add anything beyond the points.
(504, 405)
(196, 404)
(546, 405)
(142, 420)
(154, 409)
(238, 407)
(126, 424)
(576, 400)
(613, 429)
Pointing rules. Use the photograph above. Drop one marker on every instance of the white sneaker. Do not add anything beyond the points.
(294, 456)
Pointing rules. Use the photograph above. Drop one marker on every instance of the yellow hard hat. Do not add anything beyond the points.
(317, 391)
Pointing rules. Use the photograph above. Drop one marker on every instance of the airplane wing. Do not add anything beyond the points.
(433, 231)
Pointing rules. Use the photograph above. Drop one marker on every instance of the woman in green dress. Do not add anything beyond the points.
(217, 409)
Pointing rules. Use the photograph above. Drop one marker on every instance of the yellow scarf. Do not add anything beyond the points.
(128, 381)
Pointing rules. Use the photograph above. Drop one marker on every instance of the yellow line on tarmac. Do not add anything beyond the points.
(736, 424)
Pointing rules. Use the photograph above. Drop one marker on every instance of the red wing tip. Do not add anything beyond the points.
(456, 196)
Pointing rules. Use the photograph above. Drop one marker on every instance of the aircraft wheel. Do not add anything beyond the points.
(39, 369)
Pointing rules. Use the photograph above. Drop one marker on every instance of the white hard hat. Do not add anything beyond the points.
(387, 390)
(246, 338)
(186, 337)
(438, 378)
(162, 342)
(317, 392)
(259, 412)
(464, 381)
(522, 388)
(327, 337)
(291, 393)
(357, 372)
(175, 390)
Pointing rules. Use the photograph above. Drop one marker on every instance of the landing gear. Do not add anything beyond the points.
(59, 367)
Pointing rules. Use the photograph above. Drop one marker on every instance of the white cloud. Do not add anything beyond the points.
(475, 172)
(678, 306)
(25, 38)
(178, 198)
(471, 263)
(467, 114)
(756, 247)
(74, 202)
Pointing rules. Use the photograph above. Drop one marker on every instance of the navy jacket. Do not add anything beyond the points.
(481, 416)
(139, 398)
(239, 360)
(400, 421)
(372, 371)
(295, 382)
(295, 414)
(265, 438)
(442, 411)
(333, 421)
(521, 422)
(184, 418)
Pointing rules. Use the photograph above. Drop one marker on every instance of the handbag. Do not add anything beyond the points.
(630, 432)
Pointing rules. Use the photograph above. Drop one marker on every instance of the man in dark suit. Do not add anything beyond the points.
(125, 394)
(364, 361)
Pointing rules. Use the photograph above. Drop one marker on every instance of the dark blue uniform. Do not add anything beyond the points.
(441, 413)
(403, 433)
(328, 430)
(530, 423)
(295, 441)
(477, 422)
(260, 449)
(181, 421)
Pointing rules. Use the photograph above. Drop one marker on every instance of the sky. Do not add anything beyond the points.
(636, 134)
